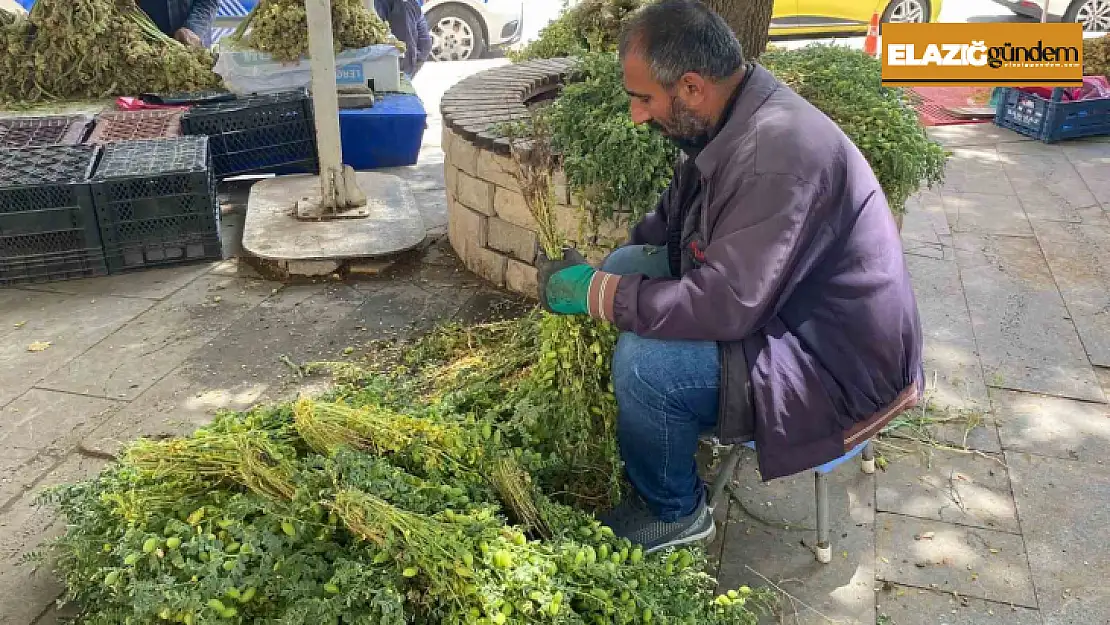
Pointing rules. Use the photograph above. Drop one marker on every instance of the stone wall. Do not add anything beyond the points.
(489, 224)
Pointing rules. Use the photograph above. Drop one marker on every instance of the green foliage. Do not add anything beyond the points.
(1096, 56)
(402, 521)
(846, 85)
(590, 26)
(617, 169)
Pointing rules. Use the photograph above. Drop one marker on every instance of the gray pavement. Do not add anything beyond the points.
(1005, 525)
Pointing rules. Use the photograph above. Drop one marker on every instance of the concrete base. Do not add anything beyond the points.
(273, 233)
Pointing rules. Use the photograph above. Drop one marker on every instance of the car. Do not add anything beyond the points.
(460, 29)
(846, 17)
(467, 29)
(1094, 15)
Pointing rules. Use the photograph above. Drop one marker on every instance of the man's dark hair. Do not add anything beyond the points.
(680, 36)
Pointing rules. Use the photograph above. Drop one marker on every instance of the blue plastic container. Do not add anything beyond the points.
(1052, 120)
(388, 134)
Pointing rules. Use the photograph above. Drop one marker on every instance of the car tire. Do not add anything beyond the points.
(457, 33)
(894, 5)
(1100, 8)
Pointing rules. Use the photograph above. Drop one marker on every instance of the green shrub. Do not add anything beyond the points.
(590, 26)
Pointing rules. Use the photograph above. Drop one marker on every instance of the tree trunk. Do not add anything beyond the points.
(749, 19)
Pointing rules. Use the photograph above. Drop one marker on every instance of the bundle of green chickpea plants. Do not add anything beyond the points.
(280, 29)
(448, 480)
(89, 49)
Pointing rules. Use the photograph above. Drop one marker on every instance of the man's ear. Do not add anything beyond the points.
(693, 87)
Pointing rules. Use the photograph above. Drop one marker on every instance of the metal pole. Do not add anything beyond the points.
(325, 102)
(1044, 13)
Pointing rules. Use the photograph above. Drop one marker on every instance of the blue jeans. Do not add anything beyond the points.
(666, 397)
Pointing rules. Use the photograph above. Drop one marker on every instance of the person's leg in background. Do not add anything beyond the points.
(666, 395)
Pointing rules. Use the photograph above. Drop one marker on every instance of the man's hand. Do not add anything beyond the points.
(188, 37)
(564, 285)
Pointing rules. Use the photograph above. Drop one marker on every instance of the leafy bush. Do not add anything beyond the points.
(590, 26)
(846, 85)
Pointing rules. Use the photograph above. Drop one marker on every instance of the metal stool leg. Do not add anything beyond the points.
(724, 475)
(869, 458)
(821, 490)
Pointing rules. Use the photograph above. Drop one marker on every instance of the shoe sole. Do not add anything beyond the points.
(706, 535)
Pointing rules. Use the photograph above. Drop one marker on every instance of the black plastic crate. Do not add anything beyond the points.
(52, 267)
(257, 134)
(156, 203)
(48, 226)
(32, 132)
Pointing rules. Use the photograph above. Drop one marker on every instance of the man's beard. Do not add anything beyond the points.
(685, 129)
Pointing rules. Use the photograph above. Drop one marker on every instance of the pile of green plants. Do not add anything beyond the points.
(443, 481)
(91, 49)
(588, 26)
(280, 28)
(1096, 56)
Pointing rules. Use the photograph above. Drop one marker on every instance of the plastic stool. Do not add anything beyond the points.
(724, 477)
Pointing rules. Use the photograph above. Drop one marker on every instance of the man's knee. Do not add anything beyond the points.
(646, 259)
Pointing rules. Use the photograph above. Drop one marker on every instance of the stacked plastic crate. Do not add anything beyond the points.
(272, 133)
(48, 228)
(156, 203)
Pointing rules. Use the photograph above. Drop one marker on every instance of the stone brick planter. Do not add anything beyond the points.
(489, 224)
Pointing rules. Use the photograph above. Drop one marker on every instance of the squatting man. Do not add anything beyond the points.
(765, 299)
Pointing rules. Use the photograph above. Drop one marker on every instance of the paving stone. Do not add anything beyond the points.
(521, 278)
(1079, 257)
(136, 356)
(1048, 185)
(1064, 515)
(27, 590)
(70, 323)
(965, 488)
(19, 470)
(1091, 159)
(1051, 426)
(154, 283)
(475, 193)
(954, 376)
(924, 225)
(49, 421)
(976, 170)
(1025, 338)
(488, 306)
(972, 562)
(515, 241)
(433, 208)
(756, 538)
(511, 207)
(986, 213)
(903, 605)
(242, 366)
(974, 135)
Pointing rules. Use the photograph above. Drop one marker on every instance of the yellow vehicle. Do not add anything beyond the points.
(836, 17)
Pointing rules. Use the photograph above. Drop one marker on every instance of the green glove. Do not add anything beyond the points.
(564, 284)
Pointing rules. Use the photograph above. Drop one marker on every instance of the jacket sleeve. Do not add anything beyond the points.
(202, 13)
(768, 226)
(423, 34)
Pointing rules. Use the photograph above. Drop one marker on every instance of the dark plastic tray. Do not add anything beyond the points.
(156, 203)
(48, 226)
(30, 132)
(257, 134)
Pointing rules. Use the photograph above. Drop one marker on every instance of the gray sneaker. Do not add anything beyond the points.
(632, 519)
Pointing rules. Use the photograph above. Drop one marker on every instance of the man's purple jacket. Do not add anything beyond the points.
(791, 261)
